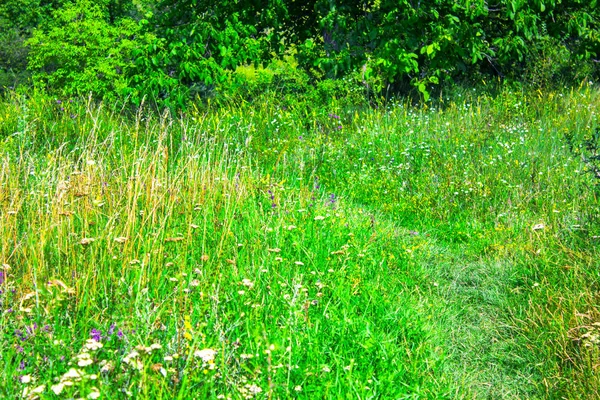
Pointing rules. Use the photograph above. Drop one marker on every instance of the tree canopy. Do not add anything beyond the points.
(172, 50)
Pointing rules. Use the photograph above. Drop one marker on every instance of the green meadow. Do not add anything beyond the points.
(256, 250)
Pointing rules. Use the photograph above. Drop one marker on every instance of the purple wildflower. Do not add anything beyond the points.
(273, 205)
(334, 116)
(332, 199)
(58, 102)
(1, 277)
(31, 329)
(20, 335)
(96, 334)
(111, 330)
(120, 334)
(22, 365)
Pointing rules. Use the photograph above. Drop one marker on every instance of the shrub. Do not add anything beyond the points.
(80, 52)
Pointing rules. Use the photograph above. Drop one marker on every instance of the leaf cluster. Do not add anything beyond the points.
(172, 51)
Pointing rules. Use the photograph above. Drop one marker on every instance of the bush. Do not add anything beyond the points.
(80, 52)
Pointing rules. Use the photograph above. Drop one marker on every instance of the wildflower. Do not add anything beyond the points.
(58, 388)
(298, 388)
(96, 334)
(120, 239)
(72, 374)
(92, 345)
(319, 218)
(274, 250)
(84, 360)
(253, 389)
(31, 394)
(94, 394)
(127, 359)
(107, 367)
(300, 263)
(26, 379)
(207, 355)
(86, 241)
(248, 283)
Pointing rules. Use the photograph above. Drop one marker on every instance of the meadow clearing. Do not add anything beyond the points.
(269, 251)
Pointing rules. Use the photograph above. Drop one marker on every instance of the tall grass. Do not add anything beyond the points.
(265, 251)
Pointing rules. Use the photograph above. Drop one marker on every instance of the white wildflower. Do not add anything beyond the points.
(207, 355)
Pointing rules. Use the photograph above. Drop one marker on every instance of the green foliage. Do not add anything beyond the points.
(80, 52)
(170, 52)
(198, 45)
(432, 41)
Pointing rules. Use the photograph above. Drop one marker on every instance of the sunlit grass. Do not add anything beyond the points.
(269, 252)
